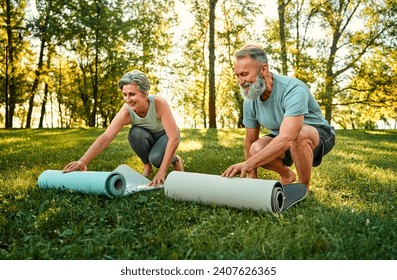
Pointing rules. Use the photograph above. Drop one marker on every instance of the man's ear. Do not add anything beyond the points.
(264, 69)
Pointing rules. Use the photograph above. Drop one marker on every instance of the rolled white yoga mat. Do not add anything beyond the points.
(242, 193)
(122, 181)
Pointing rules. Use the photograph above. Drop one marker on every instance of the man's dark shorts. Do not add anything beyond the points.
(327, 142)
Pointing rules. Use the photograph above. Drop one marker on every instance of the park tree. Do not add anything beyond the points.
(371, 95)
(281, 9)
(12, 34)
(343, 49)
(90, 24)
(45, 93)
(191, 69)
(42, 28)
(148, 26)
(235, 29)
(211, 50)
(327, 60)
(287, 39)
(233, 26)
(348, 43)
(102, 40)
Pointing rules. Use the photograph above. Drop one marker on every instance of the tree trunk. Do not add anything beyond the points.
(45, 98)
(35, 84)
(281, 19)
(9, 81)
(95, 78)
(330, 77)
(211, 104)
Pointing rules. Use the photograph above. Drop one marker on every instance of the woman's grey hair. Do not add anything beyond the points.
(252, 51)
(135, 77)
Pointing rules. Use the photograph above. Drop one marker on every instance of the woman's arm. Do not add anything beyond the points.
(122, 118)
(171, 129)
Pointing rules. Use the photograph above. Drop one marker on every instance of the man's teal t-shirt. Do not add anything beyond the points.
(289, 97)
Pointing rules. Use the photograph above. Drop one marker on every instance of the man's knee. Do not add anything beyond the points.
(259, 145)
(255, 148)
(307, 136)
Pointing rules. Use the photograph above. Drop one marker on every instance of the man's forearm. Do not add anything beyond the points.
(274, 150)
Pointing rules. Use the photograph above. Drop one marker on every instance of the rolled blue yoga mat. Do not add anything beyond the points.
(120, 182)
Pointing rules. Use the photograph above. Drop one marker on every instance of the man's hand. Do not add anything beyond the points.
(243, 168)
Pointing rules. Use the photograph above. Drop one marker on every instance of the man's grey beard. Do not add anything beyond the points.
(256, 89)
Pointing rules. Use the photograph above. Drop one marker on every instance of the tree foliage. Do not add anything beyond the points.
(326, 43)
(14, 48)
(61, 64)
(95, 42)
(234, 26)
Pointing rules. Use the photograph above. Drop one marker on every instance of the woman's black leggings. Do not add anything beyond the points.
(150, 147)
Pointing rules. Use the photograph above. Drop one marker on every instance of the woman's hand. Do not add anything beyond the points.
(75, 165)
(158, 179)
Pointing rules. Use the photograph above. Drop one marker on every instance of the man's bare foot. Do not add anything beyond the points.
(307, 187)
(178, 164)
(147, 169)
(290, 178)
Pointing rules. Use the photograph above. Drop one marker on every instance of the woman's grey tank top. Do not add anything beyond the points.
(150, 122)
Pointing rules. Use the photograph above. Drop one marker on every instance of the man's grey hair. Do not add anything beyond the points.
(135, 77)
(252, 51)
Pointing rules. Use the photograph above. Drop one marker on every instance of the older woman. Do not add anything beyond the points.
(154, 135)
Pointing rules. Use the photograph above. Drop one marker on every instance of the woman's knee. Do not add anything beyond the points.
(156, 159)
(138, 134)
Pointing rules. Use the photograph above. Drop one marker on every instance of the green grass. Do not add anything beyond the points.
(350, 213)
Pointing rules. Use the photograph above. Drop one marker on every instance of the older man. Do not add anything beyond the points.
(299, 133)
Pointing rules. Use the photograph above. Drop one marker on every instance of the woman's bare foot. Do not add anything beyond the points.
(178, 164)
(289, 178)
(147, 169)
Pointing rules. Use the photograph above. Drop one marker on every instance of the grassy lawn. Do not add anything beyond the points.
(349, 214)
